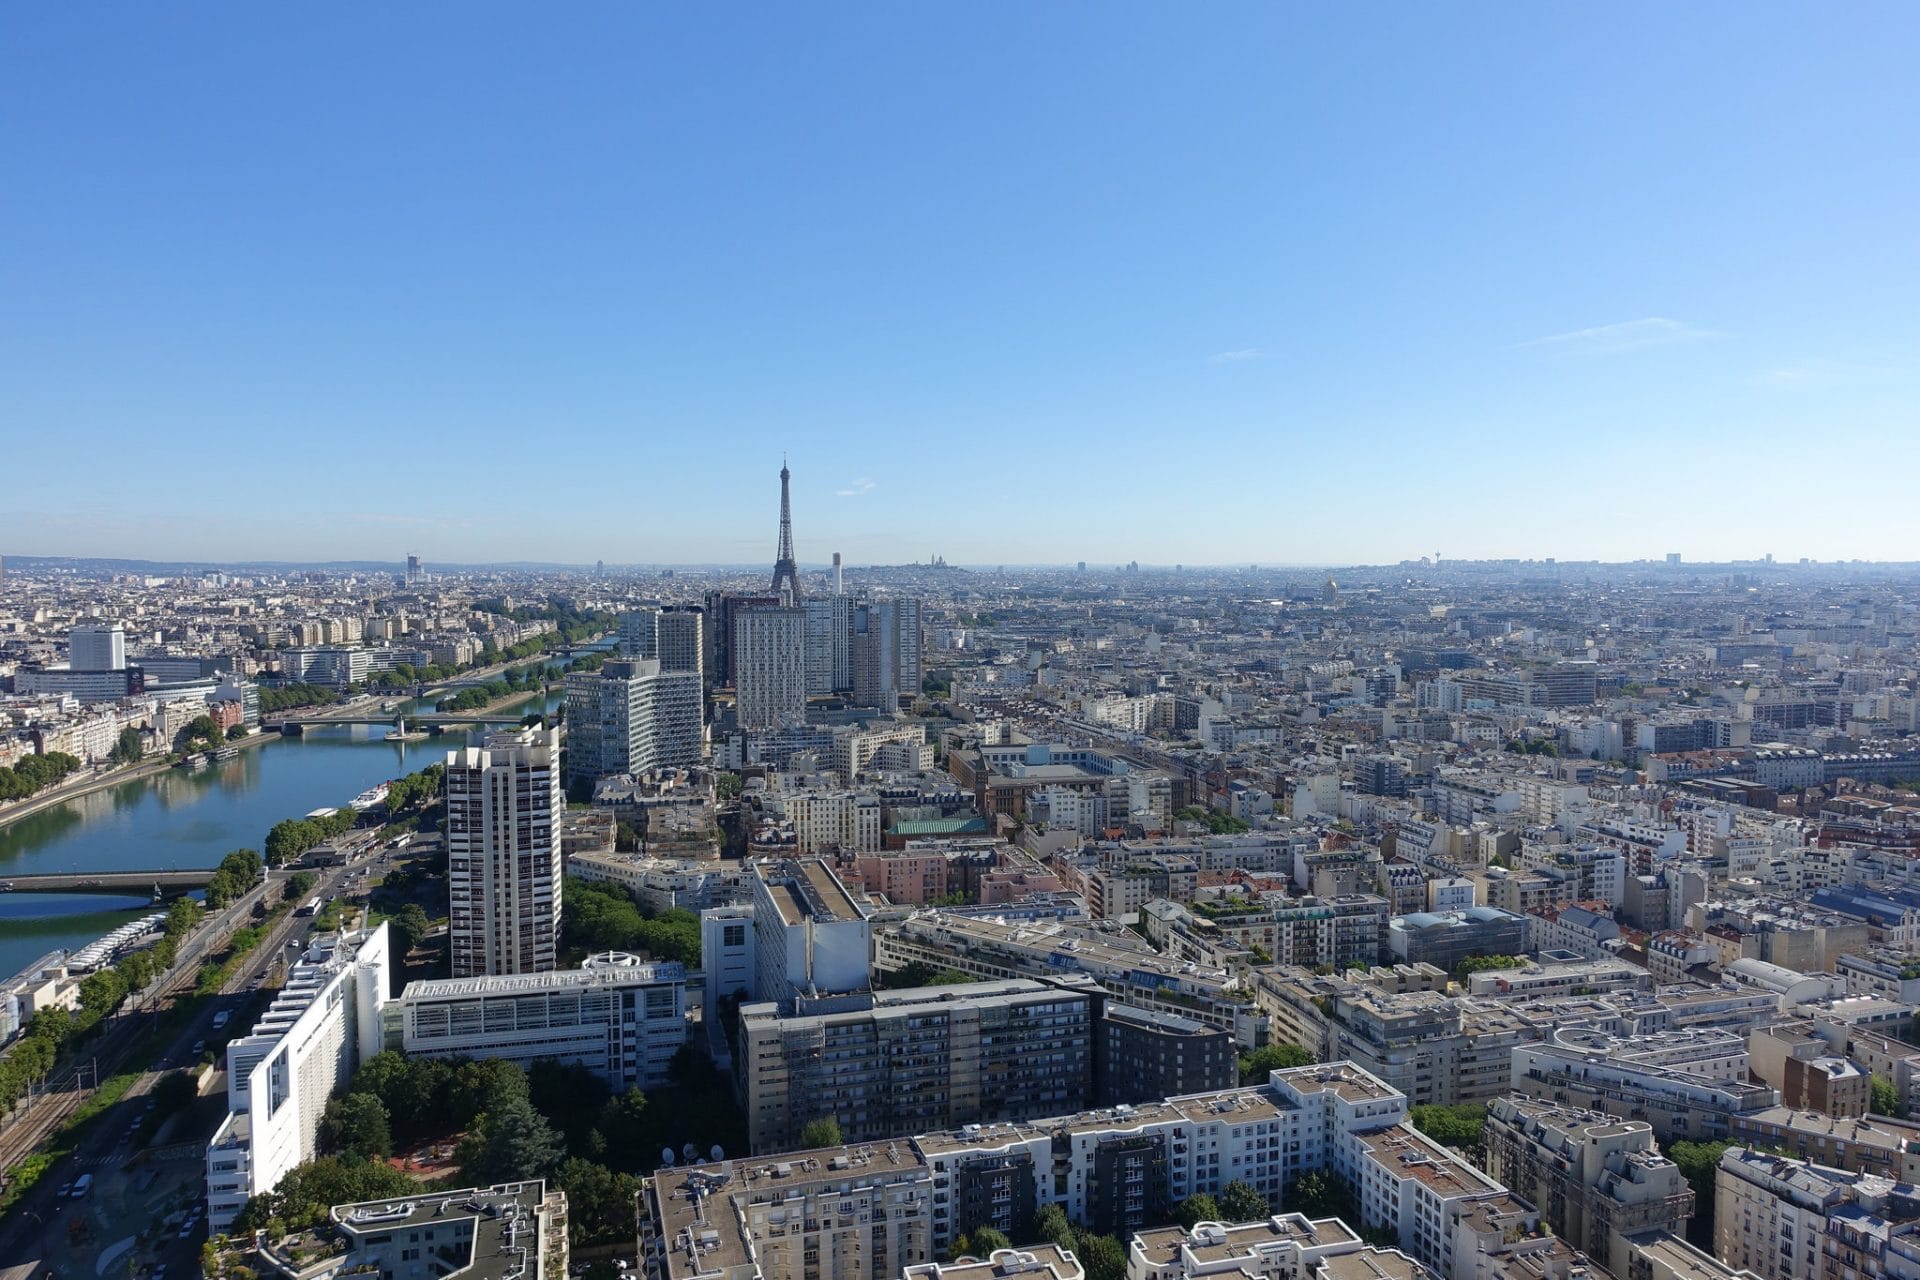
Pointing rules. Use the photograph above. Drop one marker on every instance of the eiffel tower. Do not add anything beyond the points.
(786, 574)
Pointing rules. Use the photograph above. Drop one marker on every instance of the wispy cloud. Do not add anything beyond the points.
(856, 487)
(1241, 356)
(1628, 335)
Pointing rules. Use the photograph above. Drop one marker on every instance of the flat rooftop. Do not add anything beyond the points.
(506, 1235)
(610, 969)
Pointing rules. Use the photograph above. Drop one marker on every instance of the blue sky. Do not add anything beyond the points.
(1009, 282)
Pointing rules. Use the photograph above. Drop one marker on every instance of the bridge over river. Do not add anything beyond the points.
(117, 882)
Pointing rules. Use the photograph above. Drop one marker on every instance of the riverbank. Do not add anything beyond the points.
(73, 790)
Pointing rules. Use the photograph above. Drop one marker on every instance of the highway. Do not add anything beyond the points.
(65, 1093)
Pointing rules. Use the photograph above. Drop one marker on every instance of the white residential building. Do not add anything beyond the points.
(322, 1025)
(769, 667)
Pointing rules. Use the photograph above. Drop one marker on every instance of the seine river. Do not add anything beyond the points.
(182, 819)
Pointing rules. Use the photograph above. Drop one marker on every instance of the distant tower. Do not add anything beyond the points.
(786, 574)
(1332, 592)
(839, 583)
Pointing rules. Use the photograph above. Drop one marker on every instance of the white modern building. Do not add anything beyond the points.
(504, 854)
(325, 1022)
(97, 646)
(801, 933)
(618, 1016)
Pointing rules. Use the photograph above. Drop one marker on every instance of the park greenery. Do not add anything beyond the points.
(600, 917)
(509, 682)
(31, 774)
(554, 1121)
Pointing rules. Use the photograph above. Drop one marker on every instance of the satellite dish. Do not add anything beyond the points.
(690, 1152)
(716, 1154)
(666, 1157)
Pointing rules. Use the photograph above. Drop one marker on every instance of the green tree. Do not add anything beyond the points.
(1255, 1066)
(986, 1239)
(599, 1203)
(355, 1125)
(1460, 1127)
(1884, 1098)
(512, 1141)
(299, 884)
(1050, 1226)
(1476, 964)
(1699, 1163)
(1240, 1202)
(129, 746)
(823, 1132)
(726, 786)
(408, 927)
(1199, 1207)
(1320, 1194)
(1102, 1257)
(235, 732)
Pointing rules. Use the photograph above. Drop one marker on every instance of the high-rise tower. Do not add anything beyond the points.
(786, 574)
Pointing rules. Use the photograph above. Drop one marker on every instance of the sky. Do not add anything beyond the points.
(1008, 283)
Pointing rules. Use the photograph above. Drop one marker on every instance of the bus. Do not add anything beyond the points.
(312, 908)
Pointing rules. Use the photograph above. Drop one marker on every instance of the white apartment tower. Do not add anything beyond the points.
(503, 853)
(769, 667)
(886, 652)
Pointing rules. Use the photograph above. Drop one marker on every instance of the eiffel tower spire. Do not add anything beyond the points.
(786, 573)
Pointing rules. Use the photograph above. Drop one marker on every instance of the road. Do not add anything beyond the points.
(22, 1234)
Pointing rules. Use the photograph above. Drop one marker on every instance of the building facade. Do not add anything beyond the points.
(504, 853)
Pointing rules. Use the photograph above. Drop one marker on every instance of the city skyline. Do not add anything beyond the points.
(1279, 286)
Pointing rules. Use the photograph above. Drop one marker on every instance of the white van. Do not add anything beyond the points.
(220, 1018)
(81, 1185)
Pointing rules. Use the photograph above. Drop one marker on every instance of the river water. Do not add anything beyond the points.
(182, 819)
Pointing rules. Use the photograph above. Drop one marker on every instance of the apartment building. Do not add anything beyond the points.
(997, 946)
(509, 1231)
(901, 1062)
(1879, 1145)
(1684, 1088)
(504, 853)
(632, 716)
(1595, 1178)
(1791, 1219)
(800, 932)
(1284, 1247)
(620, 1017)
(325, 1021)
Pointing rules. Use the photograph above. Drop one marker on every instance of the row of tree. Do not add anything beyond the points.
(598, 917)
(511, 681)
(291, 697)
(31, 774)
(421, 789)
(237, 873)
(292, 837)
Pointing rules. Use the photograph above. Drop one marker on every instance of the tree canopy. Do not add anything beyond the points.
(1256, 1065)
